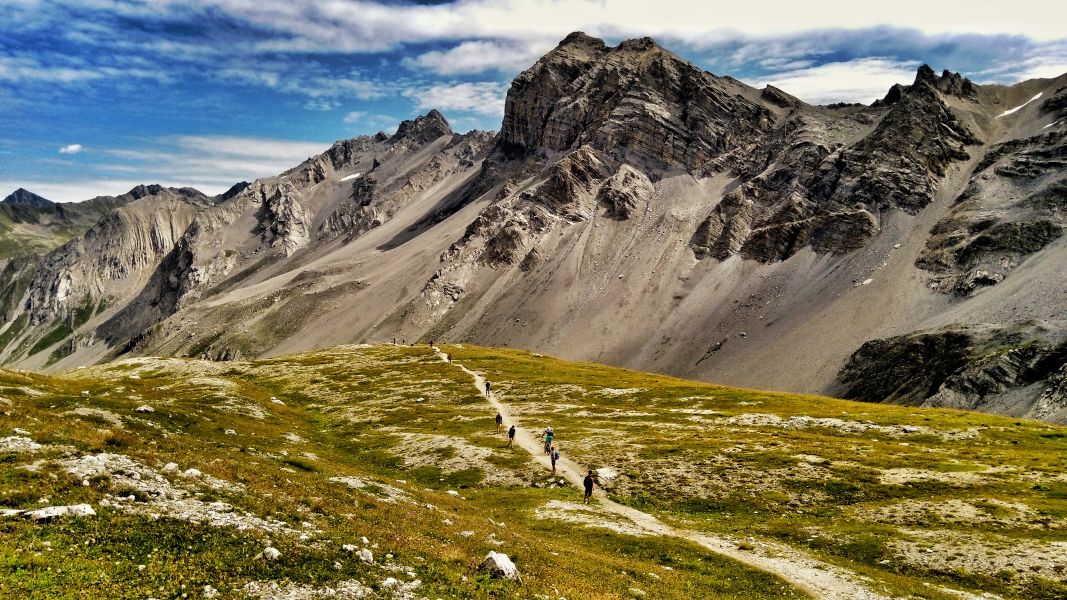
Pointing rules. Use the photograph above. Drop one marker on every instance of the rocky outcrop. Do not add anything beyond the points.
(980, 367)
(424, 129)
(1010, 210)
(285, 222)
(624, 192)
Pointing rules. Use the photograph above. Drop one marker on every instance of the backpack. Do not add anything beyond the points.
(555, 455)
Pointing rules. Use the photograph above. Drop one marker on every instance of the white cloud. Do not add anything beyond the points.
(478, 56)
(863, 80)
(75, 191)
(482, 97)
(209, 163)
(71, 149)
(322, 104)
(360, 25)
(355, 116)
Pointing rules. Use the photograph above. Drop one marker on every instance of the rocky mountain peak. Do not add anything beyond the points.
(634, 101)
(25, 197)
(424, 129)
(926, 78)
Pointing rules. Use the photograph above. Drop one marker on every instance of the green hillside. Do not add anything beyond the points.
(703, 491)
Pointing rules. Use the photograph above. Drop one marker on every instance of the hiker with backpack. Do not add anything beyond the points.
(488, 388)
(548, 435)
(554, 454)
(511, 436)
(588, 483)
(499, 422)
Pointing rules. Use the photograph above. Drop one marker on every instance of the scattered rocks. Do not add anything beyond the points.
(19, 444)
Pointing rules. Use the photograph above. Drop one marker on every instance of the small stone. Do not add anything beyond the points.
(144, 408)
(363, 540)
(390, 582)
(170, 467)
(270, 553)
(191, 473)
(452, 493)
(230, 432)
(366, 556)
(349, 547)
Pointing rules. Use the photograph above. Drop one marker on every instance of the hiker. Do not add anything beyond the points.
(588, 482)
(511, 436)
(499, 422)
(488, 388)
(555, 456)
(449, 356)
(547, 436)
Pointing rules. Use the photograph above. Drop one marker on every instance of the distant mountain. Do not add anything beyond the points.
(28, 198)
(633, 209)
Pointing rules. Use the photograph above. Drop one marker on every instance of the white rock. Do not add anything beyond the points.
(191, 473)
(467, 533)
(349, 547)
(230, 432)
(270, 553)
(170, 467)
(276, 401)
(144, 408)
(20, 431)
(390, 582)
(210, 592)
(366, 556)
(85, 392)
(499, 566)
(452, 493)
(51, 512)
(363, 540)
(866, 281)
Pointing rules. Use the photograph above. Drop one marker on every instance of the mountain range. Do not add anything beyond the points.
(633, 209)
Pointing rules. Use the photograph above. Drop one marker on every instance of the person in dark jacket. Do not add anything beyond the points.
(588, 483)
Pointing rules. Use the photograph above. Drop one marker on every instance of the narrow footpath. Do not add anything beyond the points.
(814, 577)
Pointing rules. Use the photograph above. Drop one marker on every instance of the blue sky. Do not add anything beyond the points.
(99, 95)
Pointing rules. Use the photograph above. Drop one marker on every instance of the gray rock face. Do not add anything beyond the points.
(635, 102)
(965, 367)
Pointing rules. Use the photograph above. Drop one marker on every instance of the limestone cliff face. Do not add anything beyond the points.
(635, 102)
(112, 254)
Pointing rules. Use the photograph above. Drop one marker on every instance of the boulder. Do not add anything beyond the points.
(499, 566)
(144, 408)
(270, 553)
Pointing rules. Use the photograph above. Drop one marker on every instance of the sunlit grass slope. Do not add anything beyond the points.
(313, 452)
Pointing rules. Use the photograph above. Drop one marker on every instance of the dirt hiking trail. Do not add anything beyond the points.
(812, 576)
